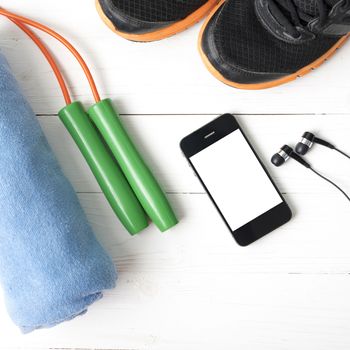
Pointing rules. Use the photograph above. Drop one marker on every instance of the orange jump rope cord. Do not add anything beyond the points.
(65, 42)
(49, 58)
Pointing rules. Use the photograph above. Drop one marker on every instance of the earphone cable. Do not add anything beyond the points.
(64, 41)
(341, 152)
(49, 58)
(331, 182)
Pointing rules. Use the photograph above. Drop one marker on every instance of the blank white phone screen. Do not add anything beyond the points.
(236, 180)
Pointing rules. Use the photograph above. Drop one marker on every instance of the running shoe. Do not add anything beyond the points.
(150, 20)
(257, 44)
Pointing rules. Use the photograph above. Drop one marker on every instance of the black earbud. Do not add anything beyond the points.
(287, 152)
(284, 154)
(308, 140)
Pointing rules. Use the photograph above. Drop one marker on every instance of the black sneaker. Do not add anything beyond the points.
(149, 20)
(257, 44)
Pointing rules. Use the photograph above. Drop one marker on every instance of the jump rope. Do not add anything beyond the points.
(126, 181)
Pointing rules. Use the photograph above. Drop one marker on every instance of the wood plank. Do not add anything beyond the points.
(157, 78)
(159, 136)
(309, 244)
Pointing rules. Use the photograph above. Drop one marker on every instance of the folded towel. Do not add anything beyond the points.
(51, 265)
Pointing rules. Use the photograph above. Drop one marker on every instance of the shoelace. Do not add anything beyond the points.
(292, 17)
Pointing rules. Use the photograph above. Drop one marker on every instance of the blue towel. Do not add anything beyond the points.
(51, 265)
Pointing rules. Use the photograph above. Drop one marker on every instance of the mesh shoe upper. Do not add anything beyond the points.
(241, 39)
(310, 6)
(158, 10)
(147, 16)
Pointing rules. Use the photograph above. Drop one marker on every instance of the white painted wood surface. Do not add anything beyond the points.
(193, 287)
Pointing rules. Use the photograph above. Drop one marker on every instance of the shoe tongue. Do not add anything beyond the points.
(310, 6)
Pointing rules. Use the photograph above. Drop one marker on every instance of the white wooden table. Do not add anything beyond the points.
(193, 287)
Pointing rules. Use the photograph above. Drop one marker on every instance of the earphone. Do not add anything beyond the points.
(286, 152)
(309, 139)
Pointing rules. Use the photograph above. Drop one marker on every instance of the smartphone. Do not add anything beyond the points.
(235, 180)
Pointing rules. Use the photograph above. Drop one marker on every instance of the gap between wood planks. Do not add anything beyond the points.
(212, 114)
(88, 349)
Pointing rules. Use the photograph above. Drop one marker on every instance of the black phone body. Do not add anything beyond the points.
(236, 180)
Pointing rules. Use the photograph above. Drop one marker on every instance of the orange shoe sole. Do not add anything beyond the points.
(300, 73)
(164, 32)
